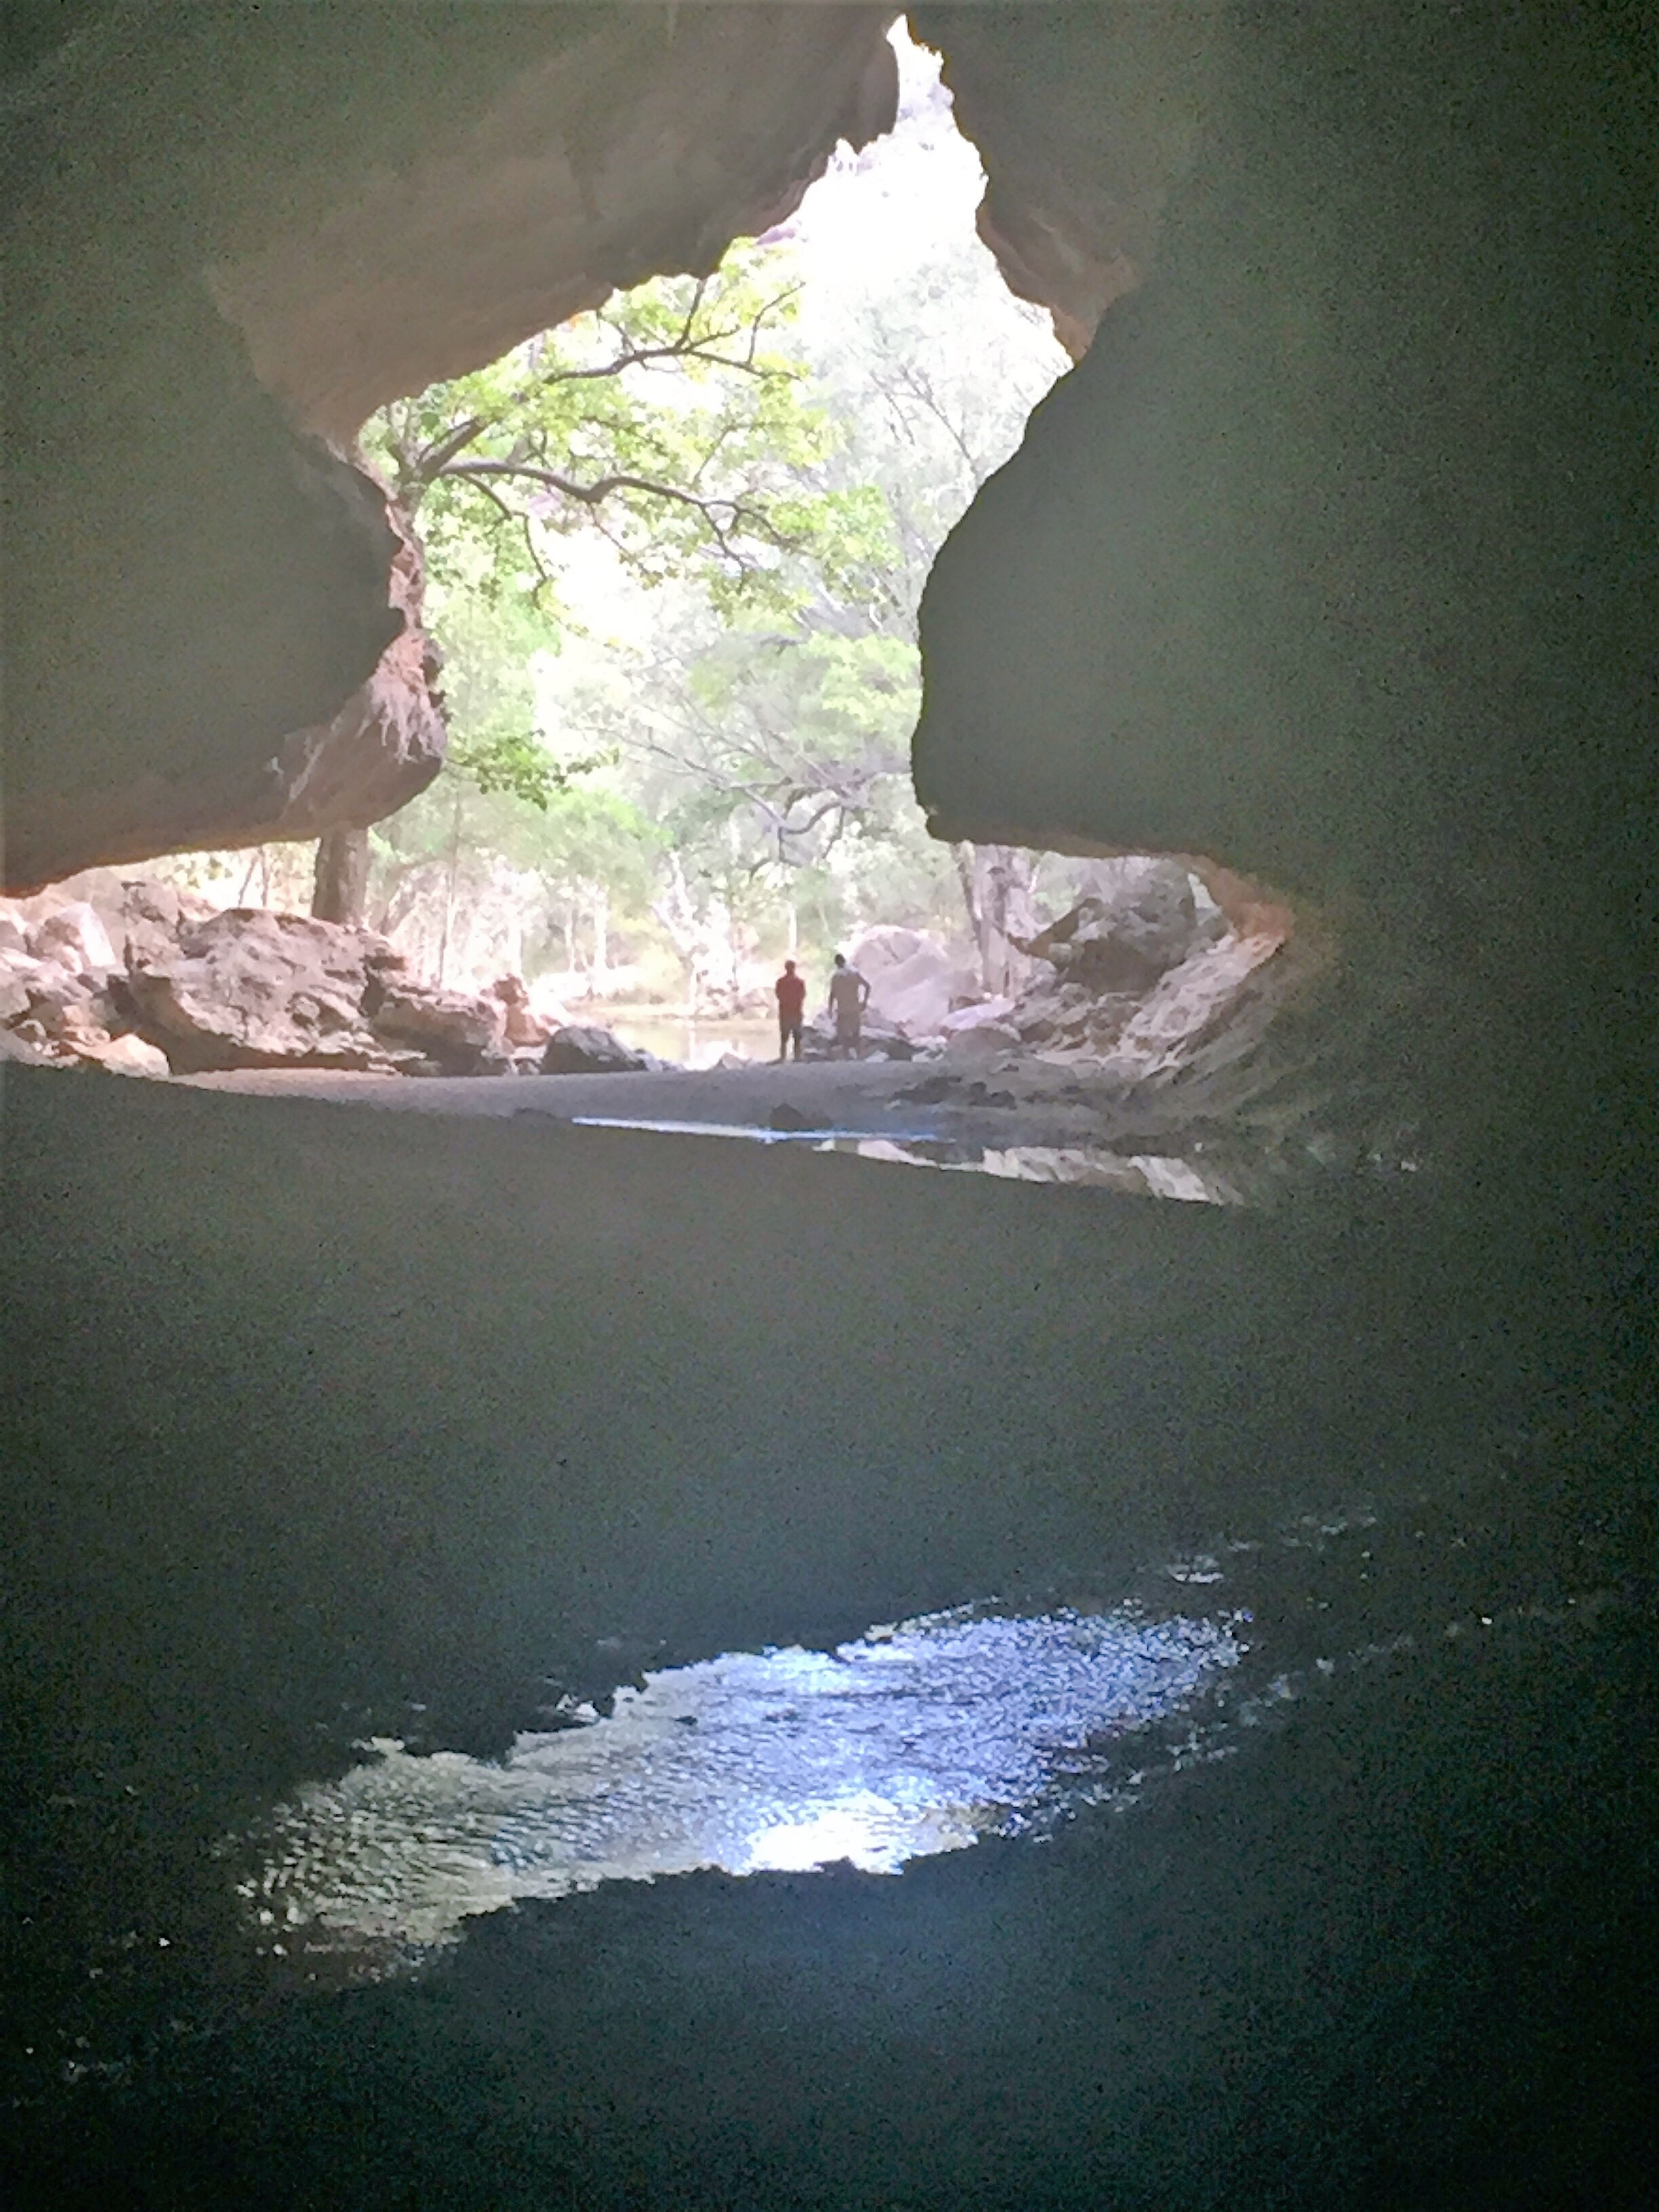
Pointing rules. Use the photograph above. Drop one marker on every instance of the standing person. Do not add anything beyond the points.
(792, 1005)
(848, 992)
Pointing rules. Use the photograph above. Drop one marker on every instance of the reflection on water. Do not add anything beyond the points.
(1141, 1174)
(914, 1740)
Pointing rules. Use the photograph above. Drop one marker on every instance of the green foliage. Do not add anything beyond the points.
(674, 421)
(773, 494)
(517, 763)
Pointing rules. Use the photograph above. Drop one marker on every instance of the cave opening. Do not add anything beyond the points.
(660, 569)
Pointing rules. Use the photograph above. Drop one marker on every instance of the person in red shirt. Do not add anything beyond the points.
(791, 1005)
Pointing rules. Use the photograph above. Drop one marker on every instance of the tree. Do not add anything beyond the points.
(765, 481)
(774, 741)
(671, 421)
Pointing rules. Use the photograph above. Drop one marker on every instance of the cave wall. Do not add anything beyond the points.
(230, 234)
(1333, 558)
(1086, 117)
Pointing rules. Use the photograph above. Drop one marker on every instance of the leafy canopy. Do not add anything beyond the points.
(674, 421)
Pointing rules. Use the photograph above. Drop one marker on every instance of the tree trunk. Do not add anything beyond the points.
(601, 939)
(963, 854)
(997, 884)
(340, 887)
(450, 891)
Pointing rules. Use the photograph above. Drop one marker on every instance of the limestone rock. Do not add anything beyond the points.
(75, 1026)
(1219, 999)
(878, 1039)
(915, 981)
(984, 1041)
(151, 914)
(50, 988)
(972, 1018)
(243, 988)
(884, 945)
(580, 1049)
(1125, 941)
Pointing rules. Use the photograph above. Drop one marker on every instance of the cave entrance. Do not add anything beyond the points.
(673, 555)
(664, 564)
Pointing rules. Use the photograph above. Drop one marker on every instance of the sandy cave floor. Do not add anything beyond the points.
(1033, 1103)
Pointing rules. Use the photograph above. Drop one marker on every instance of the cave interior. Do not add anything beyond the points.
(1332, 560)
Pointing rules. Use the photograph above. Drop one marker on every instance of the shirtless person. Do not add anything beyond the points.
(847, 992)
(791, 1005)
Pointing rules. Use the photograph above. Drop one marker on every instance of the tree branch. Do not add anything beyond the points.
(739, 514)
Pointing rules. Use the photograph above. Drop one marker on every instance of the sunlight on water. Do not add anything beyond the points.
(913, 1740)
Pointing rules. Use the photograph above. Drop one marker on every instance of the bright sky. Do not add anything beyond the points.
(877, 213)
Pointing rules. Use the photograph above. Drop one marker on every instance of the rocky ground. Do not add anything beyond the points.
(130, 975)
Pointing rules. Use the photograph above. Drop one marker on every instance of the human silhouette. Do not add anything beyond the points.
(848, 992)
(791, 1005)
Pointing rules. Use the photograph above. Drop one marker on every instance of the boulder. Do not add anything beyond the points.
(99, 921)
(123, 1055)
(50, 988)
(1217, 1000)
(984, 1041)
(1125, 939)
(75, 1026)
(521, 1024)
(914, 980)
(74, 937)
(243, 988)
(579, 1049)
(450, 1027)
(251, 989)
(964, 1018)
(1064, 1018)
(151, 916)
(885, 946)
(879, 1040)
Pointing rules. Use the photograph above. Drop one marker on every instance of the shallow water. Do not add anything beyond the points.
(913, 1740)
(694, 1043)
